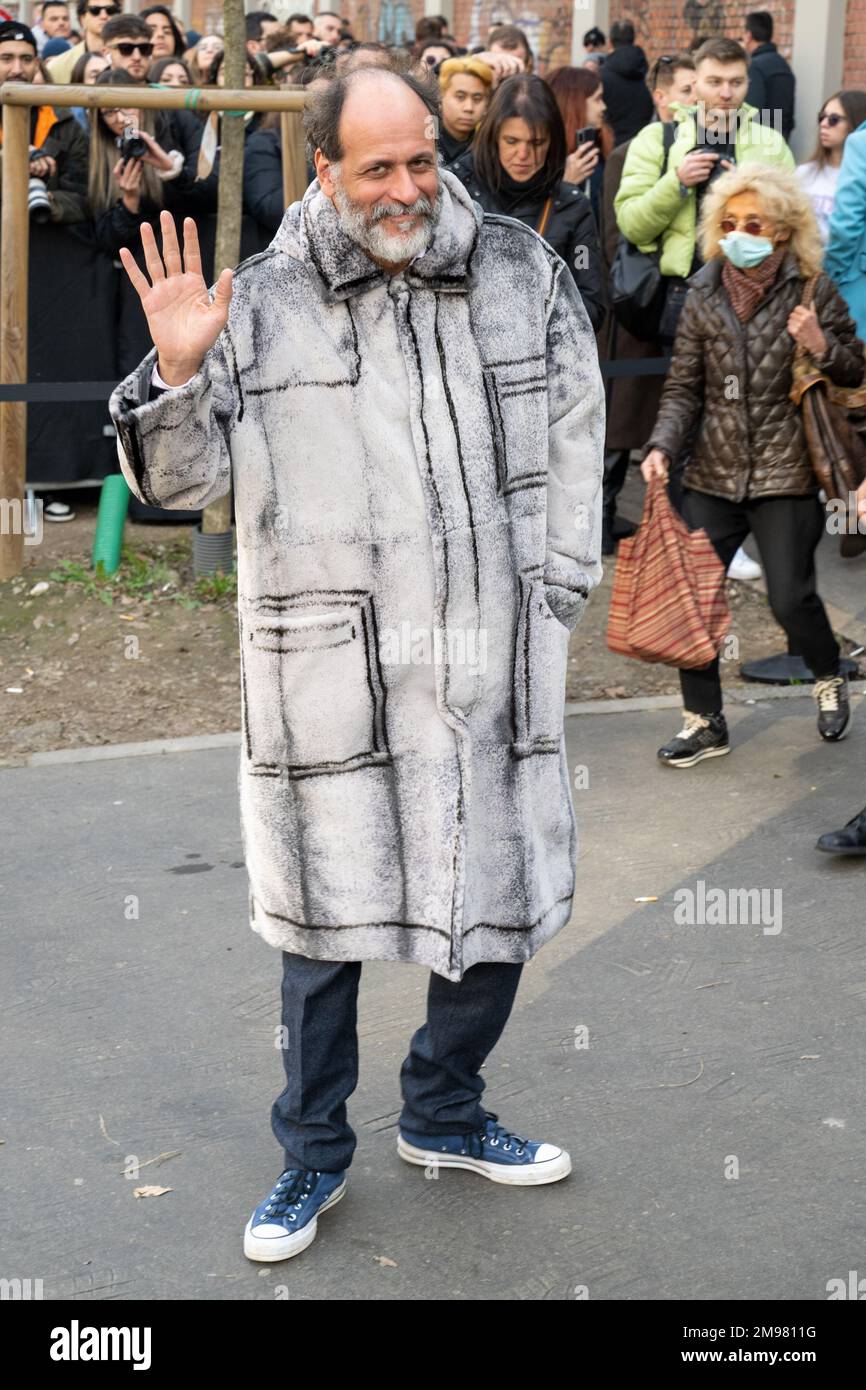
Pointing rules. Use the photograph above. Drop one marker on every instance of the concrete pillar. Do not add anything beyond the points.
(444, 7)
(819, 32)
(585, 14)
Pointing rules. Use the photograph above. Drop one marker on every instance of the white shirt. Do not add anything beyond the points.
(820, 184)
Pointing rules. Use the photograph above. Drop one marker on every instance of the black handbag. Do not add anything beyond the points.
(637, 287)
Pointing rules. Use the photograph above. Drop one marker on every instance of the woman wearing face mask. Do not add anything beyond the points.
(516, 166)
(839, 115)
(749, 469)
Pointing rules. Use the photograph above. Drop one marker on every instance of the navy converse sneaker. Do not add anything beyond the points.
(493, 1151)
(284, 1224)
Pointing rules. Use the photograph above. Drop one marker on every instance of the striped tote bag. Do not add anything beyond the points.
(668, 603)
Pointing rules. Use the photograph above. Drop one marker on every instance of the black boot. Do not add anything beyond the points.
(851, 839)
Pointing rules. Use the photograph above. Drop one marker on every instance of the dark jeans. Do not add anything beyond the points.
(439, 1078)
(787, 530)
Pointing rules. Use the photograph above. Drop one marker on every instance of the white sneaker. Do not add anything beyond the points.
(744, 567)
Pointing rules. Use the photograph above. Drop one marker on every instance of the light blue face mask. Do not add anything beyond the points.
(746, 251)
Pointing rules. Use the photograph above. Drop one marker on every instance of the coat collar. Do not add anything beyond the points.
(310, 232)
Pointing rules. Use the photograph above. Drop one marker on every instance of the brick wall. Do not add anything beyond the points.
(665, 25)
(662, 25)
(854, 72)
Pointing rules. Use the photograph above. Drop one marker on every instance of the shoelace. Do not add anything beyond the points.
(291, 1190)
(691, 723)
(495, 1135)
(827, 694)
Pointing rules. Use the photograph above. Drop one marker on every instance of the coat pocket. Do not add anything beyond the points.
(517, 406)
(314, 700)
(540, 665)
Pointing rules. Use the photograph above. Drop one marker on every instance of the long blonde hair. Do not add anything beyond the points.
(782, 198)
(102, 189)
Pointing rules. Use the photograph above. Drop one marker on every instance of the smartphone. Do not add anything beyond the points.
(588, 135)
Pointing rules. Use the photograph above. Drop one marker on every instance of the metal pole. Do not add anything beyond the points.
(14, 258)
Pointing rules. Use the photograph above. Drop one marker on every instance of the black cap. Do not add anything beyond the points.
(11, 29)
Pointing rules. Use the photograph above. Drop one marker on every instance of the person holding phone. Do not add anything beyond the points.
(516, 166)
(580, 97)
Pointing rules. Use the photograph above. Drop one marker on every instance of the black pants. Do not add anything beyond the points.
(787, 530)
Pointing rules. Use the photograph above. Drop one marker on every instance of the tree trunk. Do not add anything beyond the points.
(216, 517)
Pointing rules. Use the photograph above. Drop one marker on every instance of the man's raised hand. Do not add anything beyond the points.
(184, 324)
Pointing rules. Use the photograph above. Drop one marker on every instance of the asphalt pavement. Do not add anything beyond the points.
(705, 1072)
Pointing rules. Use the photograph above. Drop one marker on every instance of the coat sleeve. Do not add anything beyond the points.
(683, 392)
(844, 360)
(174, 446)
(575, 460)
(849, 211)
(584, 258)
(646, 204)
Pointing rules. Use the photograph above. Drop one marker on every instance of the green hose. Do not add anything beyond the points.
(110, 521)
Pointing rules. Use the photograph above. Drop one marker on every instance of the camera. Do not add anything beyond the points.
(130, 144)
(38, 202)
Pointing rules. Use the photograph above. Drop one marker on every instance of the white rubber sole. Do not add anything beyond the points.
(270, 1248)
(698, 758)
(529, 1175)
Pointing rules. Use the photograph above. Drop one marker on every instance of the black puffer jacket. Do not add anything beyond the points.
(629, 104)
(737, 378)
(771, 86)
(570, 230)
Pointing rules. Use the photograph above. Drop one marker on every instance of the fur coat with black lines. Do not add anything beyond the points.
(416, 462)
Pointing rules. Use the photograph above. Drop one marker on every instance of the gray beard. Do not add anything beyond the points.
(363, 225)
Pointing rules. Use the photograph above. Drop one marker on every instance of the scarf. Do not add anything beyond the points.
(511, 192)
(746, 291)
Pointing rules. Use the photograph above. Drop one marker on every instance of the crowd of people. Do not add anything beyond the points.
(684, 156)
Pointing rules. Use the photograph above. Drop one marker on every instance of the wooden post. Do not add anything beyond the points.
(17, 99)
(294, 156)
(14, 259)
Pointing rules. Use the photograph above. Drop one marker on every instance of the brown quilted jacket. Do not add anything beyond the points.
(750, 440)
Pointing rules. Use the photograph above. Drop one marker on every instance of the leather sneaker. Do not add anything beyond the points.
(834, 711)
(702, 736)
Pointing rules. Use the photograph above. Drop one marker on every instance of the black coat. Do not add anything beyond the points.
(629, 104)
(771, 86)
(263, 178)
(570, 229)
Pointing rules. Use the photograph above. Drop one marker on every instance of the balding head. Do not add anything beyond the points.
(373, 136)
(336, 116)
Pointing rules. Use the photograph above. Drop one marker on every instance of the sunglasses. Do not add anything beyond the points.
(833, 119)
(103, 9)
(126, 50)
(753, 226)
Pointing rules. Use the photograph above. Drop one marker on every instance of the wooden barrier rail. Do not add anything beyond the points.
(17, 98)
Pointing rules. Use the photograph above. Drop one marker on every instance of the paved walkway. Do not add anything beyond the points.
(708, 1044)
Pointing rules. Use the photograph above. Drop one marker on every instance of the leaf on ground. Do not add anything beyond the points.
(151, 1191)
